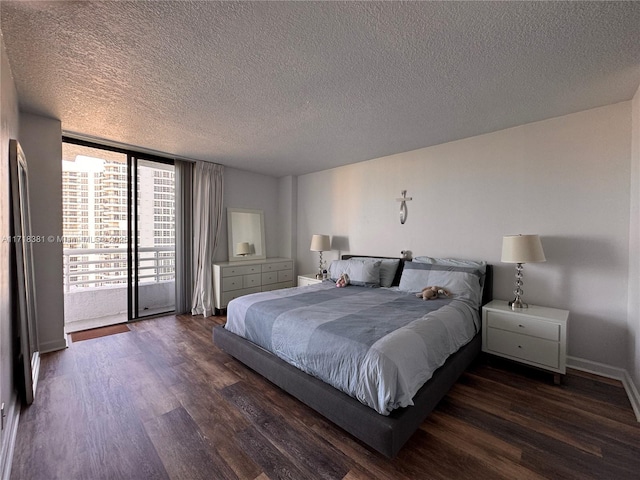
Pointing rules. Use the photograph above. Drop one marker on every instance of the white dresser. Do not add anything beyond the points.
(234, 279)
(536, 335)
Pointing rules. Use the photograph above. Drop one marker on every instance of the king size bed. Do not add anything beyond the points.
(375, 361)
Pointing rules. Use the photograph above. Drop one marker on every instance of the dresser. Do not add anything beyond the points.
(234, 279)
(535, 336)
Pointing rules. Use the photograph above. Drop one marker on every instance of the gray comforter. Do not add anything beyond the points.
(378, 345)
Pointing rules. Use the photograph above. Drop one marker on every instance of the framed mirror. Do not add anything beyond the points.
(25, 291)
(245, 229)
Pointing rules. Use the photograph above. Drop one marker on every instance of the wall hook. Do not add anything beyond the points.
(403, 206)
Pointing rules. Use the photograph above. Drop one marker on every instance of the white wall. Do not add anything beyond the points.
(634, 246)
(288, 189)
(566, 179)
(41, 140)
(251, 190)
(8, 130)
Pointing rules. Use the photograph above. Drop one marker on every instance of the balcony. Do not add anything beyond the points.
(95, 285)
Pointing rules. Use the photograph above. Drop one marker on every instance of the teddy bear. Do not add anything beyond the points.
(429, 293)
(343, 280)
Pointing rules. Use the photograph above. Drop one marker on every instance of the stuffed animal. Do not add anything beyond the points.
(429, 293)
(343, 280)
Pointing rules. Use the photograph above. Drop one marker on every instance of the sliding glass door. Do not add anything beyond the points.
(151, 207)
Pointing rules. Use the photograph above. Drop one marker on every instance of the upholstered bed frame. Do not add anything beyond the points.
(386, 434)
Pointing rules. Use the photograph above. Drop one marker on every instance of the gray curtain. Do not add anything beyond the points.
(207, 221)
(184, 235)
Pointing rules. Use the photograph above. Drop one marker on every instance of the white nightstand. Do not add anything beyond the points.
(310, 279)
(534, 336)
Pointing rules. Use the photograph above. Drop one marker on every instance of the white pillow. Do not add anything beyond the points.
(461, 284)
(363, 273)
(459, 264)
(453, 262)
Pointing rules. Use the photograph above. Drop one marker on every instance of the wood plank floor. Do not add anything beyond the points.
(161, 401)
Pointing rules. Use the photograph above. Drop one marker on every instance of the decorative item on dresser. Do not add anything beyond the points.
(243, 249)
(234, 279)
(521, 249)
(309, 279)
(536, 336)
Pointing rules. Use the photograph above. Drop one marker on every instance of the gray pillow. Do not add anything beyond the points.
(388, 269)
(361, 273)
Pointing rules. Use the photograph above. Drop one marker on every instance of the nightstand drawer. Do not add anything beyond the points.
(523, 325)
(525, 347)
(304, 280)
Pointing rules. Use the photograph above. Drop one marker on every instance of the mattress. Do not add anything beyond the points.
(378, 345)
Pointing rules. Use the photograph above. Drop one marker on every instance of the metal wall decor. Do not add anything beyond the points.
(403, 206)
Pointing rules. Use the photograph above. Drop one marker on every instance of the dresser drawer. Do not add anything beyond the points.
(285, 276)
(523, 325)
(270, 277)
(276, 286)
(240, 270)
(536, 350)
(228, 296)
(232, 283)
(274, 267)
(252, 280)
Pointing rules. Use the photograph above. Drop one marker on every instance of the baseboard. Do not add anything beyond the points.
(53, 346)
(7, 447)
(610, 372)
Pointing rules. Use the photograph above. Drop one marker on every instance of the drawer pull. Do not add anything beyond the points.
(519, 346)
(521, 326)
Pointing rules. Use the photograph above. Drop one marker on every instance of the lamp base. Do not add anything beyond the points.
(517, 304)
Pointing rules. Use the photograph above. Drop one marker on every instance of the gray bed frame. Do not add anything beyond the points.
(386, 434)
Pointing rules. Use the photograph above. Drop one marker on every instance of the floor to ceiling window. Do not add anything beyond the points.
(118, 235)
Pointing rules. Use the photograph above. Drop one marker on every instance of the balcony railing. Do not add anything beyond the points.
(99, 267)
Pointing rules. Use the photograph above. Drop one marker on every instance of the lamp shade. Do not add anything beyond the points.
(320, 243)
(522, 249)
(243, 248)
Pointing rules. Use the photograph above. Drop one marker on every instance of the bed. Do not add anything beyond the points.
(382, 420)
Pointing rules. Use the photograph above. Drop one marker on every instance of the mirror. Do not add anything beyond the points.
(25, 305)
(245, 229)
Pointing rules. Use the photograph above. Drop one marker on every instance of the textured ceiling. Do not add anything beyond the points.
(290, 88)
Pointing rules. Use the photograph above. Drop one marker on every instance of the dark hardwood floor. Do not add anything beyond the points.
(161, 401)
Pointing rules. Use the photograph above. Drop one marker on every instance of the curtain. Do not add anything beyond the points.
(207, 220)
(184, 235)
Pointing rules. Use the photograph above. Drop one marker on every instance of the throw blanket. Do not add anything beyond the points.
(378, 345)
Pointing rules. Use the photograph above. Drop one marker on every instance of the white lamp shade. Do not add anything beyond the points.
(243, 248)
(522, 249)
(320, 243)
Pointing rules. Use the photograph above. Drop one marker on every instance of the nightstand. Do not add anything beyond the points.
(309, 279)
(535, 336)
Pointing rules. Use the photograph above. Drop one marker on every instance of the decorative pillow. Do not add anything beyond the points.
(362, 273)
(388, 268)
(462, 282)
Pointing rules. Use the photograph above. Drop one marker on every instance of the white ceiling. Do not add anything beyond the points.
(290, 88)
